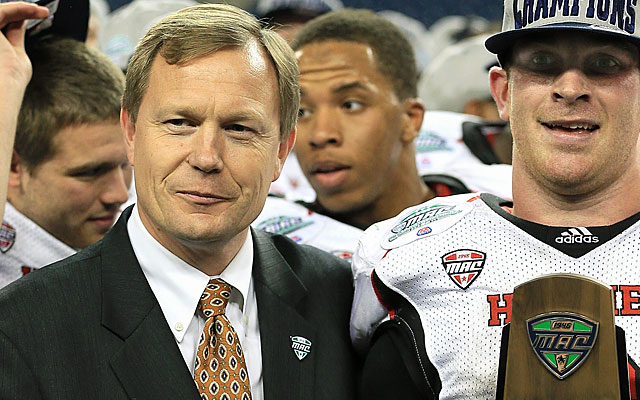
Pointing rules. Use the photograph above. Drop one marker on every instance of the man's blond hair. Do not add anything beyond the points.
(201, 30)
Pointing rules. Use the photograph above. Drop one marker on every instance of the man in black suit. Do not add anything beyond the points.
(209, 116)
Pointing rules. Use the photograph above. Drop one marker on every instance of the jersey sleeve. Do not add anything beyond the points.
(367, 311)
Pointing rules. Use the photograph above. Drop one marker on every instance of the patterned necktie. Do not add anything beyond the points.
(220, 370)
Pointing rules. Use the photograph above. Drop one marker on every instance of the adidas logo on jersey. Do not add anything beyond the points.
(577, 235)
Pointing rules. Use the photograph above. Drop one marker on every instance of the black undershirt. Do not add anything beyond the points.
(572, 241)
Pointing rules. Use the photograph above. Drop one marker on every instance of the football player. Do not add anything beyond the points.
(434, 284)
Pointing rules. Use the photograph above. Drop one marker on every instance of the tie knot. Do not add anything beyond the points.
(215, 297)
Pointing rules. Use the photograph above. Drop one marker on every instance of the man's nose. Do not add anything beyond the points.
(326, 129)
(571, 86)
(207, 145)
(116, 187)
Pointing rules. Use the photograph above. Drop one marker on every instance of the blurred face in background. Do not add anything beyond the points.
(76, 194)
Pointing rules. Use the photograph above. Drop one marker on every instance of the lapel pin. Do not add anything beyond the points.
(300, 346)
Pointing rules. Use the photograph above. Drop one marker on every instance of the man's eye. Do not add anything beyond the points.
(238, 128)
(303, 112)
(604, 65)
(352, 105)
(179, 123)
(89, 173)
(541, 60)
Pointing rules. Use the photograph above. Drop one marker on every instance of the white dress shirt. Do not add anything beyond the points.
(177, 285)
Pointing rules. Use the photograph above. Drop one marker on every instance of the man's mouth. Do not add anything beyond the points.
(200, 197)
(576, 127)
(327, 168)
(103, 221)
(329, 173)
(103, 217)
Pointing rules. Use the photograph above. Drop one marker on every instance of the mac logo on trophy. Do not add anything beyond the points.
(562, 341)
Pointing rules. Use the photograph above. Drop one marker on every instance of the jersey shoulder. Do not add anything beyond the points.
(419, 222)
(426, 220)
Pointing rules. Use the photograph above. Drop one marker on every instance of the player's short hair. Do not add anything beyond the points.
(71, 85)
(202, 30)
(394, 54)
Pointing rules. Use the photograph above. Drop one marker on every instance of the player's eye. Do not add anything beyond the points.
(352, 105)
(542, 61)
(603, 64)
(303, 112)
(538, 61)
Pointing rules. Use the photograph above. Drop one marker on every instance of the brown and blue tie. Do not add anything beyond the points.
(220, 369)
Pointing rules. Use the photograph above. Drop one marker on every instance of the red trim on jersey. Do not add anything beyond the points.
(380, 298)
(441, 189)
(632, 381)
(474, 198)
(385, 254)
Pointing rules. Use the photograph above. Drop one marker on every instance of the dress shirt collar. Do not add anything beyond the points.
(176, 284)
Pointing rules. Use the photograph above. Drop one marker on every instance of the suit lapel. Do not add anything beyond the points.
(281, 309)
(149, 363)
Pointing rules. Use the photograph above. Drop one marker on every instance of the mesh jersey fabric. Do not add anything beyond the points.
(26, 246)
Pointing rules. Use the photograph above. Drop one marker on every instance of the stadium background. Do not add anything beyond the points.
(427, 11)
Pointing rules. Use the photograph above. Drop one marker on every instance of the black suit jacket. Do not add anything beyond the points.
(89, 327)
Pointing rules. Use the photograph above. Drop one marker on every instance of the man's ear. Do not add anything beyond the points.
(18, 169)
(283, 152)
(129, 129)
(499, 85)
(412, 119)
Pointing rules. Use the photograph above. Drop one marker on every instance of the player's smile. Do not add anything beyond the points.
(571, 131)
(571, 126)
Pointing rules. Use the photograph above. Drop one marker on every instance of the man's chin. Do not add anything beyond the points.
(341, 204)
(202, 234)
(85, 241)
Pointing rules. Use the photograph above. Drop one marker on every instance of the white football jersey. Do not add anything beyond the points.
(25, 246)
(307, 227)
(421, 255)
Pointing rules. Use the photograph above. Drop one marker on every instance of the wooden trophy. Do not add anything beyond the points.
(562, 342)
